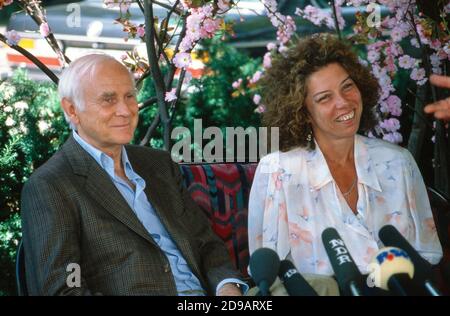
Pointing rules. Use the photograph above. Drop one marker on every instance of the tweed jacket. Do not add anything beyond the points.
(72, 213)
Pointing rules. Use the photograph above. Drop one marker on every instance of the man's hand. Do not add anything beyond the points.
(440, 109)
(229, 289)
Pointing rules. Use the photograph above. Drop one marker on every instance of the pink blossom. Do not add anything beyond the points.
(186, 44)
(446, 50)
(388, 22)
(140, 31)
(436, 44)
(390, 125)
(394, 105)
(193, 21)
(260, 109)
(44, 29)
(396, 34)
(12, 38)
(124, 6)
(283, 49)
(316, 16)
(256, 99)
(171, 95)
(394, 137)
(377, 45)
(418, 74)
(422, 36)
(422, 82)
(414, 42)
(193, 33)
(256, 76)
(436, 63)
(406, 62)
(373, 56)
(186, 4)
(267, 61)
(237, 83)
(286, 31)
(182, 60)
(446, 8)
(223, 5)
(207, 10)
(390, 63)
(271, 46)
(210, 25)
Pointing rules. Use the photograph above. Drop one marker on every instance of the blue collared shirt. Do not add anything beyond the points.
(186, 282)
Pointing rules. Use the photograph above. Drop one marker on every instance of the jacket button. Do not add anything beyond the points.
(166, 268)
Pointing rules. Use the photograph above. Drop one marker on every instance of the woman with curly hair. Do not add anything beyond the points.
(320, 96)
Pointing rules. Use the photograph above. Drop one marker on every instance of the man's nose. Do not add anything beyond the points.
(123, 109)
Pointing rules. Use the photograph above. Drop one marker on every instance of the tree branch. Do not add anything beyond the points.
(33, 58)
(336, 22)
(425, 59)
(147, 103)
(172, 68)
(158, 80)
(34, 10)
(168, 7)
(178, 92)
(150, 130)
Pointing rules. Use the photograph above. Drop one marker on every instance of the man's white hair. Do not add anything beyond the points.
(81, 71)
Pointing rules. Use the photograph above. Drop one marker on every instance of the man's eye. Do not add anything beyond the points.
(108, 100)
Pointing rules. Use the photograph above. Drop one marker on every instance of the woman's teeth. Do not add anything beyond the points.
(346, 117)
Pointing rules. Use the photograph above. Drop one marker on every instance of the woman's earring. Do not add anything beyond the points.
(309, 136)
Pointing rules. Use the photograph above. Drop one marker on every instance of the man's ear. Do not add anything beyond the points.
(70, 110)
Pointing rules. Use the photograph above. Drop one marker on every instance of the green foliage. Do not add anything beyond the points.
(10, 235)
(212, 98)
(32, 127)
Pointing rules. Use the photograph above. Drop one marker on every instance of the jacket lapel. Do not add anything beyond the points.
(101, 188)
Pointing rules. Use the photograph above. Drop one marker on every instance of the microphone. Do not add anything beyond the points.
(264, 265)
(390, 236)
(393, 270)
(348, 276)
(293, 281)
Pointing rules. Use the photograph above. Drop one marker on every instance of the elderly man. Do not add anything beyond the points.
(113, 215)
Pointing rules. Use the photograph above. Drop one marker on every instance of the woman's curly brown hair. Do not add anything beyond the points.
(284, 87)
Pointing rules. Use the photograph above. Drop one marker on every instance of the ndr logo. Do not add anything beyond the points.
(391, 254)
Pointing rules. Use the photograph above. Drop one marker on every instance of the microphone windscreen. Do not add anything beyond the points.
(264, 265)
(345, 269)
(390, 236)
(293, 281)
(388, 262)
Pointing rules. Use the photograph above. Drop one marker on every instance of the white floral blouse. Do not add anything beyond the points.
(294, 198)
